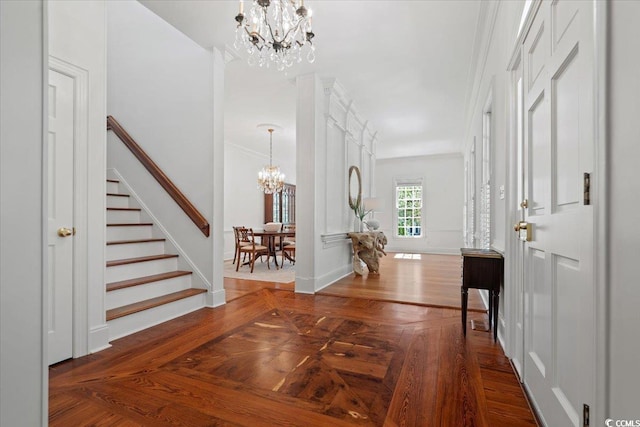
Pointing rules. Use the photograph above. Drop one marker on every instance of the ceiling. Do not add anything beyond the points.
(406, 65)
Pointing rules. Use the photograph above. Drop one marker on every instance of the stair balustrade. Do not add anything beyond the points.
(198, 219)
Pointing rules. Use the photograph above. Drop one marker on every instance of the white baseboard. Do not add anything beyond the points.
(216, 298)
(484, 295)
(305, 285)
(99, 338)
(333, 276)
(311, 285)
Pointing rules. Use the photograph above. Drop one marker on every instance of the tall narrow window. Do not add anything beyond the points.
(409, 209)
(485, 189)
(281, 206)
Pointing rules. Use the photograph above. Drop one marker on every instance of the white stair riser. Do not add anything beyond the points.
(129, 233)
(127, 325)
(112, 187)
(134, 250)
(122, 297)
(123, 217)
(140, 269)
(117, 202)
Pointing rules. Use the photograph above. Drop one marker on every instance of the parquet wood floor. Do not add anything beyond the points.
(276, 358)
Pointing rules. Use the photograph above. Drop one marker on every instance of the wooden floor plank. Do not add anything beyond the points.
(461, 400)
(414, 402)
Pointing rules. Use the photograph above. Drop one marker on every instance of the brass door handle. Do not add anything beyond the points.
(65, 232)
(523, 226)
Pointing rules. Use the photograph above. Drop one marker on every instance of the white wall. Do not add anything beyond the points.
(624, 188)
(443, 196)
(331, 136)
(243, 202)
(160, 89)
(497, 39)
(77, 36)
(23, 375)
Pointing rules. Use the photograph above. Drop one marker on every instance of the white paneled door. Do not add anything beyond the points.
(558, 267)
(60, 214)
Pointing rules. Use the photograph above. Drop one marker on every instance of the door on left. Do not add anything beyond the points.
(60, 215)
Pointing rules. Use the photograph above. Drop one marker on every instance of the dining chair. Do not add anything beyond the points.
(251, 249)
(236, 237)
(241, 239)
(288, 244)
(289, 251)
(289, 240)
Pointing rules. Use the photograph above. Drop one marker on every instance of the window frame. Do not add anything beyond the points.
(407, 182)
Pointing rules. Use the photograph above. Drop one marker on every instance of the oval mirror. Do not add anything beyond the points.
(355, 187)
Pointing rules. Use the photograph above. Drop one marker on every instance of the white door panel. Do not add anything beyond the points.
(517, 264)
(559, 319)
(538, 154)
(60, 214)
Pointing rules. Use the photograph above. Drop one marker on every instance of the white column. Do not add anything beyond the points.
(217, 296)
(309, 125)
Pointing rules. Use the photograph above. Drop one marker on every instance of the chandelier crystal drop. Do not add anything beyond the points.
(270, 180)
(275, 32)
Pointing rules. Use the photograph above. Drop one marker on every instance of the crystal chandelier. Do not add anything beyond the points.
(270, 180)
(275, 34)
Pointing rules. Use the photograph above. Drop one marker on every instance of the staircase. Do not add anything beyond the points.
(144, 285)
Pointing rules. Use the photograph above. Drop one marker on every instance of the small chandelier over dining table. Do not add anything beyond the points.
(276, 34)
(270, 180)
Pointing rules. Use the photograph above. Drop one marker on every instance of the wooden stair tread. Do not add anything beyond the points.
(126, 242)
(124, 209)
(126, 310)
(118, 195)
(124, 261)
(127, 224)
(146, 279)
(113, 180)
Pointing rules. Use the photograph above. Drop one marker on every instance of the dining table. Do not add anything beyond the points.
(269, 240)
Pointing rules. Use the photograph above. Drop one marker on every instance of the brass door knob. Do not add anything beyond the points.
(526, 227)
(65, 232)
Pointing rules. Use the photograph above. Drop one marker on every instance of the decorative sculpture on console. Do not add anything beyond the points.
(368, 247)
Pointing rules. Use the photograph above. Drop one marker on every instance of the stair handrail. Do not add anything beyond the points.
(198, 219)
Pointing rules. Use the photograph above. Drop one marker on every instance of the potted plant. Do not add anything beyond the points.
(360, 212)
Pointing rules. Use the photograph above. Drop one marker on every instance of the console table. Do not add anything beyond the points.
(482, 269)
(368, 247)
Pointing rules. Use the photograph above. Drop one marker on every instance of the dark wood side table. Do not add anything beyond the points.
(482, 269)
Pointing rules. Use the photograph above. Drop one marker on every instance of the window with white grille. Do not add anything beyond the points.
(409, 209)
